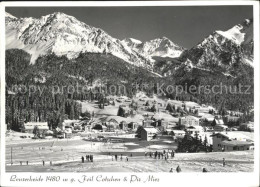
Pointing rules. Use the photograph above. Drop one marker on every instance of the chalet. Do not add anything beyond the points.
(189, 121)
(64, 134)
(123, 125)
(179, 133)
(126, 125)
(112, 124)
(68, 122)
(68, 132)
(28, 127)
(87, 128)
(203, 110)
(132, 125)
(207, 117)
(208, 136)
(235, 113)
(192, 130)
(236, 145)
(147, 123)
(249, 126)
(225, 140)
(68, 129)
(148, 133)
(228, 119)
(220, 128)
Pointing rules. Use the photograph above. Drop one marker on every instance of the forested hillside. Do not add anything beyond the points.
(55, 78)
(51, 79)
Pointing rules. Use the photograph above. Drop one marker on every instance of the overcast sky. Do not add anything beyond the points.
(185, 26)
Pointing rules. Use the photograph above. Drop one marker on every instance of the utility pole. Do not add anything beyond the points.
(11, 155)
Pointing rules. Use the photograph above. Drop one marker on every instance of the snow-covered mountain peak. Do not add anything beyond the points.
(60, 14)
(237, 33)
(60, 17)
(65, 35)
(131, 42)
(225, 50)
(135, 41)
(162, 47)
(164, 38)
(161, 39)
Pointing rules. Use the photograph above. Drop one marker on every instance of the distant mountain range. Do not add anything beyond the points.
(162, 47)
(62, 34)
(57, 49)
(65, 35)
(222, 51)
(224, 48)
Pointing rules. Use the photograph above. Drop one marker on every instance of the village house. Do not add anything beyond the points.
(157, 123)
(148, 122)
(207, 117)
(189, 121)
(28, 127)
(68, 123)
(132, 125)
(79, 126)
(208, 129)
(68, 129)
(176, 134)
(87, 128)
(228, 119)
(179, 133)
(112, 124)
(235, 145)
(162, 125)
(231, 141)
(68, 132)
(220, 128)
(234, 113)
(203, 110)
(249, 126)
(123, 125)
(64, 133)
(192, 130)
(148, 133)
(208, 136)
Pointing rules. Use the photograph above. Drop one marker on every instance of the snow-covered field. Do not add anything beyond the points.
(66, 157)
(65, 154)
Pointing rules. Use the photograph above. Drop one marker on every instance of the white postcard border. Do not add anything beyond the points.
(182, 179)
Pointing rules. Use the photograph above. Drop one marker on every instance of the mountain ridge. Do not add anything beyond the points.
(63, 34)
(162, 47)
(223, 49)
